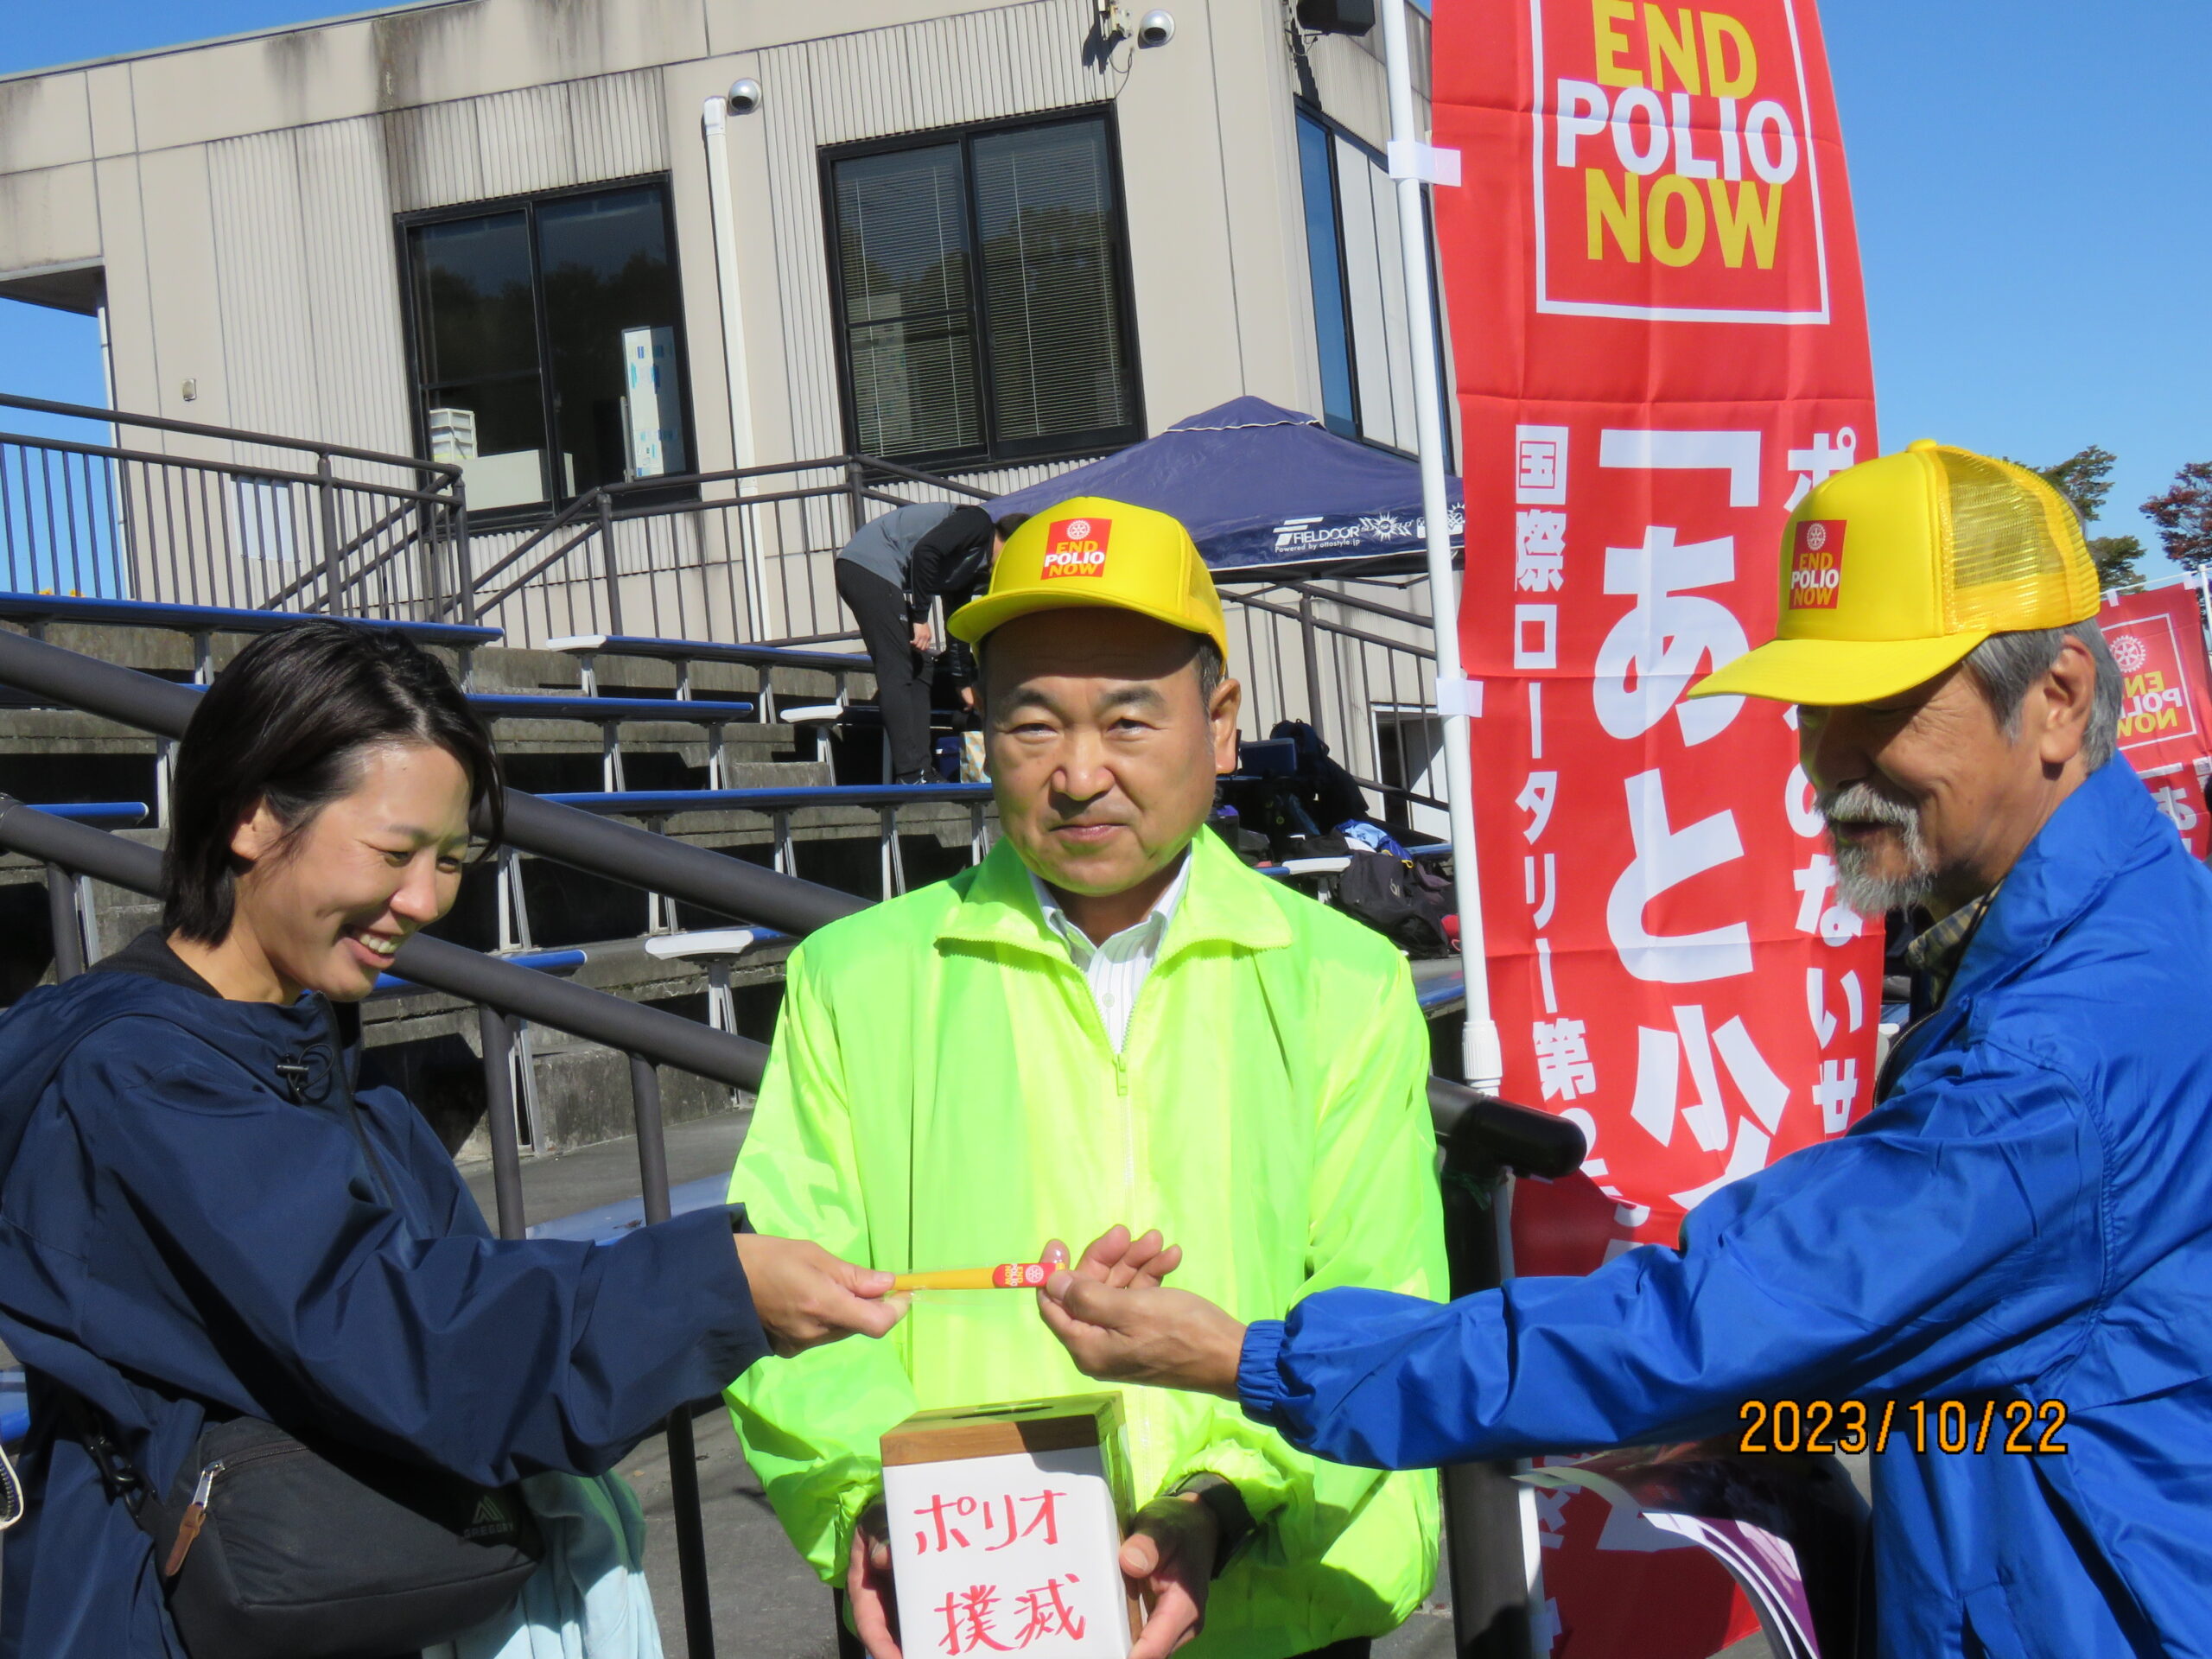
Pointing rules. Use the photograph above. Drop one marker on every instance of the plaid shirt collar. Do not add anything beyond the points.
(1938, 950)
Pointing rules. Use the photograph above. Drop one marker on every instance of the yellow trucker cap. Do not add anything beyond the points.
(1092, 552)
(1894, 570)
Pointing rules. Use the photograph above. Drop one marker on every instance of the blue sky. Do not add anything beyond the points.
(2028, 181)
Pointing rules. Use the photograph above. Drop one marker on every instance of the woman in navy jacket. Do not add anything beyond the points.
(199, 1223)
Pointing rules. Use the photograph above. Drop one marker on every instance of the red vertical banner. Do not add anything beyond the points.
(1661, 345)
(2165, 717)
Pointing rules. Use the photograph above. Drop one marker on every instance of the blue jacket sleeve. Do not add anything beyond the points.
(491, 1358)
(1927, 1247)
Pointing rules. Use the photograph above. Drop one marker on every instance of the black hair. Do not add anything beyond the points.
(284, 725)
(1008, 522)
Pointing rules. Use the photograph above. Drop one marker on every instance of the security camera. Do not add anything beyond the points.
(1156, 29)
(744, 96)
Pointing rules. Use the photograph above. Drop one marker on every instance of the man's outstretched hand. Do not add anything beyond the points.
(806, 1297)
(1140, 1332)
(1115, 1259)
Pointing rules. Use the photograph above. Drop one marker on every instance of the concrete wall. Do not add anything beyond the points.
(240, 194)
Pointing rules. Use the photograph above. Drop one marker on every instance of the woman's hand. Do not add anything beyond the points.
(922, 636)
(868, 1585)
(806, 1297)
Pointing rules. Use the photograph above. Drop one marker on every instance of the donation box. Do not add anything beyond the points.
(1006, 1529)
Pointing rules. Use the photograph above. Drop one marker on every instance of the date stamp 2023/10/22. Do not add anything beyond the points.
(1952, 1427)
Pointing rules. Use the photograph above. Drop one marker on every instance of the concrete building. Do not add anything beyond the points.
(534, 240)
(981, 241)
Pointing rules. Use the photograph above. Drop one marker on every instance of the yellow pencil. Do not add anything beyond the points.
(1012, 1275)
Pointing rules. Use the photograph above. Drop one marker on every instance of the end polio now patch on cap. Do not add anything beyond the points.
(1077, 547)
(1816, 564)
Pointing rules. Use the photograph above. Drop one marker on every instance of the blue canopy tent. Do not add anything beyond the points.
(1263, 488)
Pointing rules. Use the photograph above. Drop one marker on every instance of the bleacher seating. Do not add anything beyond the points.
(841, 713)
(588, 648)
(203, 622)
(655, 805)
(610, 714)
(716, 949)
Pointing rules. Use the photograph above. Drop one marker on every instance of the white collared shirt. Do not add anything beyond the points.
(1117, 969)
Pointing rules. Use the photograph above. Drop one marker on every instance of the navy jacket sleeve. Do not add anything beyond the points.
(491, 1358)
(1943, 1232)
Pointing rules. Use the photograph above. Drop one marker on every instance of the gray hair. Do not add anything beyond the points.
(2006, 666)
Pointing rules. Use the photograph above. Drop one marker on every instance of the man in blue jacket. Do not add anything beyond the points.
(2024, 1224)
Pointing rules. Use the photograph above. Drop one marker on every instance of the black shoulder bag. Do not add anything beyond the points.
(271, 1547)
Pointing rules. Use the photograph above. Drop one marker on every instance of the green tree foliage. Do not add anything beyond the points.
(2085, 479)
(2183, 516)
(2119, 560)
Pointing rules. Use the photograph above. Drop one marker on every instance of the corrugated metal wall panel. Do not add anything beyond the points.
(537, 138)
(975, 66)
(524, 142)
(620, 127)
(309, 299)
(430, 155)
(261, 263)
(1348, 75)
(353, 284)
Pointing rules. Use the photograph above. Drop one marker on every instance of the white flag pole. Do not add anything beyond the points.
(1412, 160)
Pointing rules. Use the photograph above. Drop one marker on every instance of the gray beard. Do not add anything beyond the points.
(1856, 886)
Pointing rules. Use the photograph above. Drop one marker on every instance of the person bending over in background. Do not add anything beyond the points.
(888, 575)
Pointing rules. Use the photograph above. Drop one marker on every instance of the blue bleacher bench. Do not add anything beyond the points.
(780, 804)
(610, 714)
(598, 711)
(588, 648)
(101, 814)
(38, 609)
(707, 651)
(657, 802)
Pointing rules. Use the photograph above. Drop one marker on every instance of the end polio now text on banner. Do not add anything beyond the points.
(1660, 344)
(2165, 710)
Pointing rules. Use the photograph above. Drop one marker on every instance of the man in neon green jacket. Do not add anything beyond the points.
(1111, 1016)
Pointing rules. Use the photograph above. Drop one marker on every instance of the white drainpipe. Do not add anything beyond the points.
(714, 122)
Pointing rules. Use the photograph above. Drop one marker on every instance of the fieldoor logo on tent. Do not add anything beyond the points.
(1077, 547)
(1677, 172)
(1816, 564)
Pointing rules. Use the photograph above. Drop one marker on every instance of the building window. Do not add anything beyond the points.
(548, 342)
(982, 296)
(1324, 257)
(1358, 284)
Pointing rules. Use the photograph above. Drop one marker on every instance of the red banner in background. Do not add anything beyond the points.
(1660, 345)
(2165, 720)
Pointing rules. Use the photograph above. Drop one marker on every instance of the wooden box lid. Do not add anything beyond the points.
(956, 1432)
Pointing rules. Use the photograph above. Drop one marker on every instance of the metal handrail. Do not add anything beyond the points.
(584, 514)
(231, 468)
(620, 852)
(235, 434)
(522, 993)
